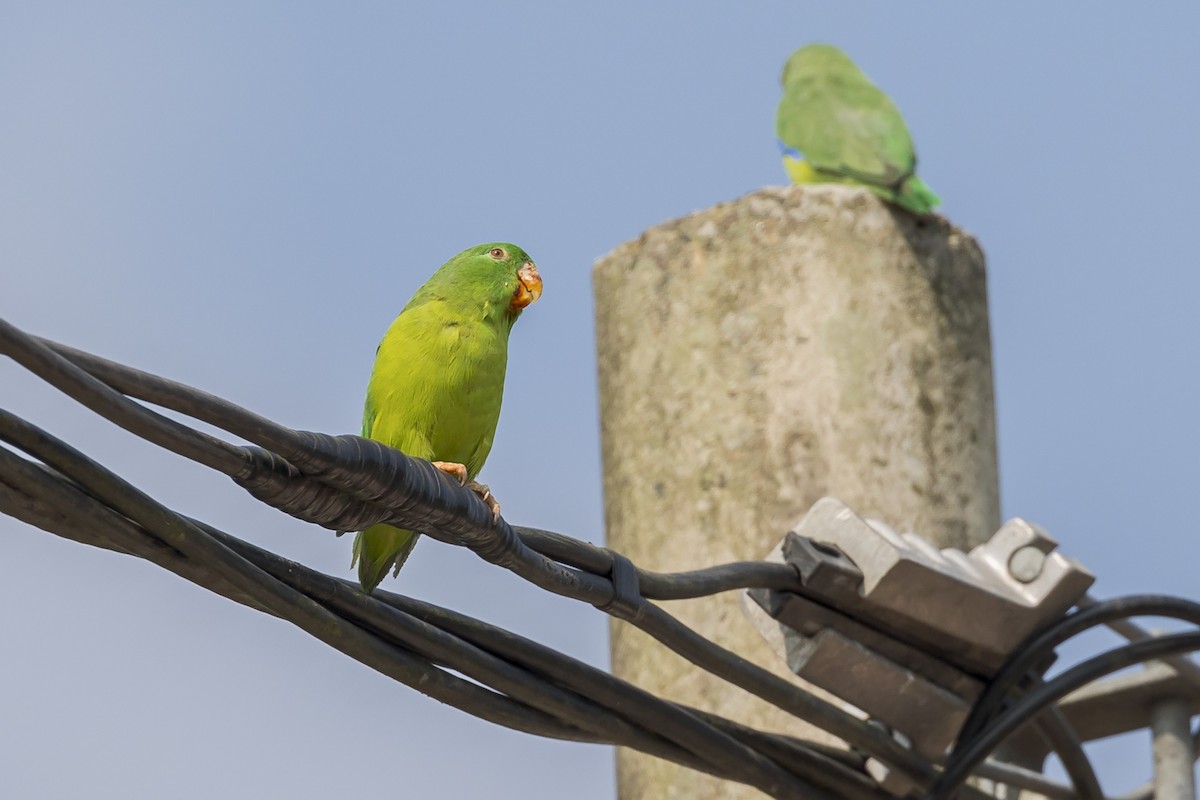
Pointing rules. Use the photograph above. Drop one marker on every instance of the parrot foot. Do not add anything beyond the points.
(485, 494)
(454, 469)
(459, 472)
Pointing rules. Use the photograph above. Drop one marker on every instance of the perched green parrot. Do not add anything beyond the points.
(836, 126)
(438, 379)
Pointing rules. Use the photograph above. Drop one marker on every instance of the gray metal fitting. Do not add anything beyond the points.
(901, 630)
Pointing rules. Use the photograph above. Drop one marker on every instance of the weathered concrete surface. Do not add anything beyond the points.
(756, 356)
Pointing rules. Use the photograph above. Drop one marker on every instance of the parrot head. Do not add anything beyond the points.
(500, 274)
(816, 59)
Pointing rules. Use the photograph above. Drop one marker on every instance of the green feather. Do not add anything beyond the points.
(847, 129)
(438, 380)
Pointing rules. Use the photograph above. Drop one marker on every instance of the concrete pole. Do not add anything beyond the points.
(756, 356)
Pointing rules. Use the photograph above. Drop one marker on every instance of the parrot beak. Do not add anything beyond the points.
(529, 287)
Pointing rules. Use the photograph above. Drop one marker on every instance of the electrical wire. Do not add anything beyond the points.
(1040, 647)
(347, 483)
(963, 762)
(419, 497)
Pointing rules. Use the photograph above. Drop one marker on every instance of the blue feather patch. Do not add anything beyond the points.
(790, 151)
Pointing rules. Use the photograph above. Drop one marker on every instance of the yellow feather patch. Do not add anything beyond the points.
(799, 170)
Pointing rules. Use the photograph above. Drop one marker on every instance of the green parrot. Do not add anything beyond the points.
(836, 126)
(438, 379)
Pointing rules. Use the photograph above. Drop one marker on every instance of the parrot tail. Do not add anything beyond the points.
(378, 549)
(915, 196)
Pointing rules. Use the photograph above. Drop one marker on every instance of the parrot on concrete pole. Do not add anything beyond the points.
(835, 126)
(438, 380)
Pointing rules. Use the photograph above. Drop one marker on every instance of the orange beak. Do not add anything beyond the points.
(529, 287)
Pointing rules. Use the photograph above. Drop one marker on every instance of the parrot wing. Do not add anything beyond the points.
(847, 128)
(435, 393)
(382, 548)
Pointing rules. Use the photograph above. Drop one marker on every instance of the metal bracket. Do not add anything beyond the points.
(901, 630)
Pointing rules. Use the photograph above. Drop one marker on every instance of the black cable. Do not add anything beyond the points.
(139, 513)
(102, 483)
(1040, 646)
(188, 400)
(354, 605)
(664, 585)
(98, 396)
(962, 763)
(1053, 726)
(785, 695)
(841, 772)
(641, 706)
(708, 749)
(427, 500)
(440, 507)
(241, 422)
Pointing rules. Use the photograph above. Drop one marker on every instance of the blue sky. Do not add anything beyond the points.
(243, 196)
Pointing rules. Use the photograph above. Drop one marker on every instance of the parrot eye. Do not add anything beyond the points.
(498, 254)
